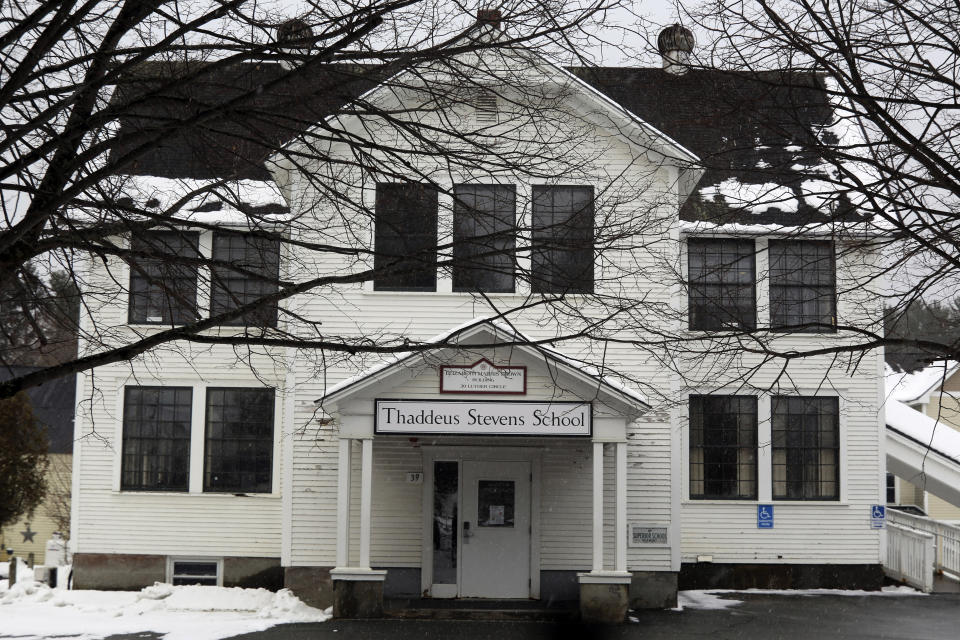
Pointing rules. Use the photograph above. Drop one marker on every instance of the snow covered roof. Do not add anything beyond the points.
(752, 131)
(923, 429)
(206, 200)
(917, 386)
(501, 332)
(756, 133)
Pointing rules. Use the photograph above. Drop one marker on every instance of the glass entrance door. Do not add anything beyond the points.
(446, 497)
(495, 529)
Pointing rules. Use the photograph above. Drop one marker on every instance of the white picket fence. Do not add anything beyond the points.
(911, 556)
(947, 538)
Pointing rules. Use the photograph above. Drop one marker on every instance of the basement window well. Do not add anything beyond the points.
(198, 571)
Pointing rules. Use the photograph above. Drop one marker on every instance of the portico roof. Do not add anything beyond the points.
(480, 333)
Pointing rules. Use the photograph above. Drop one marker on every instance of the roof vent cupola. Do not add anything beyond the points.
(294, 39)
(675, 44)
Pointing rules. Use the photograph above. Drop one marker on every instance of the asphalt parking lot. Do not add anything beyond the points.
(768, 617)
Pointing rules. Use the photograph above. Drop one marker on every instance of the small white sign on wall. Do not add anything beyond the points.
(415, 477)
(645, 535)
(483, 377)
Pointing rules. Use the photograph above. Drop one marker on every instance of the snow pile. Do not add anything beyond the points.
(34, 610)
(24, 572)
(911, 387)
(712, 600)
(924, 429)
(707, 600)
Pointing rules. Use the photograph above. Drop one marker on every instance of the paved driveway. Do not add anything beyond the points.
(767, 617)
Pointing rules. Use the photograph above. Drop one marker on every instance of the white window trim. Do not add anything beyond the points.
(764, 450)
(524, 195)
(172, 560)
(198, 434)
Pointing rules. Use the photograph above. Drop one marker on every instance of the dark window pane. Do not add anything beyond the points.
(722, 284)
(163, 286)
(445, 481)
(156, 439)
(723, 447)
(495, 503)
(255, 270)
(484, 236)
(238, 451)
(562, 234)
(405, 238)
(891, 488)
(803, 294)
(806, 448)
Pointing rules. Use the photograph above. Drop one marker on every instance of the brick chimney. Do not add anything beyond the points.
(492, 17)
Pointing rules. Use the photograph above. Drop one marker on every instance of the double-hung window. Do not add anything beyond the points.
(238, 447)
(405, 237)
(722, 284)
(484, 237)
(806, 448)
(723, 447)
(563, 239)
(244, 269)
(156, 438)
(803, 294)
(163, 277)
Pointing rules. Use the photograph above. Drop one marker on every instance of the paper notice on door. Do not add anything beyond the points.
(496, 515)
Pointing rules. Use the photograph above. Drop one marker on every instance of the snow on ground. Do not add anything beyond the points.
(720, 598)
(31, 610)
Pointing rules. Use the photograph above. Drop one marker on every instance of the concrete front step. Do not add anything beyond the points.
(529, 610)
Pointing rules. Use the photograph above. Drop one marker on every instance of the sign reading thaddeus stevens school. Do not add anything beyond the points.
(466, 417)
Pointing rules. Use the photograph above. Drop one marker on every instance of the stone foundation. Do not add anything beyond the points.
(604, 599)
(117, 571)
(311, 584)
(252, 573)
(131, 572)
(653, 590)
(358, 598)
(715, 575)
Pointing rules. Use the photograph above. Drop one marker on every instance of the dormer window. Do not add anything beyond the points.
(485, 109)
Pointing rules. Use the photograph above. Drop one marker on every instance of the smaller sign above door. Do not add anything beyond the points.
(483, 377)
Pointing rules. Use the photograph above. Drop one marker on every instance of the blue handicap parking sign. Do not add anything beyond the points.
(878, 514)
(764, 516)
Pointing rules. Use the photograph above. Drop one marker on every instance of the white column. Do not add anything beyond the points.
(597, 506)
(366, 500)
(621, 524)
(343, 503)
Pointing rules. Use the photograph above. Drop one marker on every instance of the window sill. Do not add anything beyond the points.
(471, 294)
(792, 503)
(205, 494)
(140, 326)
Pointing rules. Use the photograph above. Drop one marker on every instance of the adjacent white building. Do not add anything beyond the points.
(491, 460)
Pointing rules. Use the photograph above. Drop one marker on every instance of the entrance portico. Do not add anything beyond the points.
(480, 462)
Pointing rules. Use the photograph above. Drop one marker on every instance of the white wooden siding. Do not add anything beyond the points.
(630, 185)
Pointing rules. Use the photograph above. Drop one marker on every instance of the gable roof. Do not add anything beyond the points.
(486, 331)
(53, 406)
(749, 129)
(916, 386)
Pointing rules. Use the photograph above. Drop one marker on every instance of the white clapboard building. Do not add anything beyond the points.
(490, 459)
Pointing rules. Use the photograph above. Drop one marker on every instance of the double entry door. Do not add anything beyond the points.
(481, 529)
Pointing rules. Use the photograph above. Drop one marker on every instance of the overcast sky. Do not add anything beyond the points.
(657, 12)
